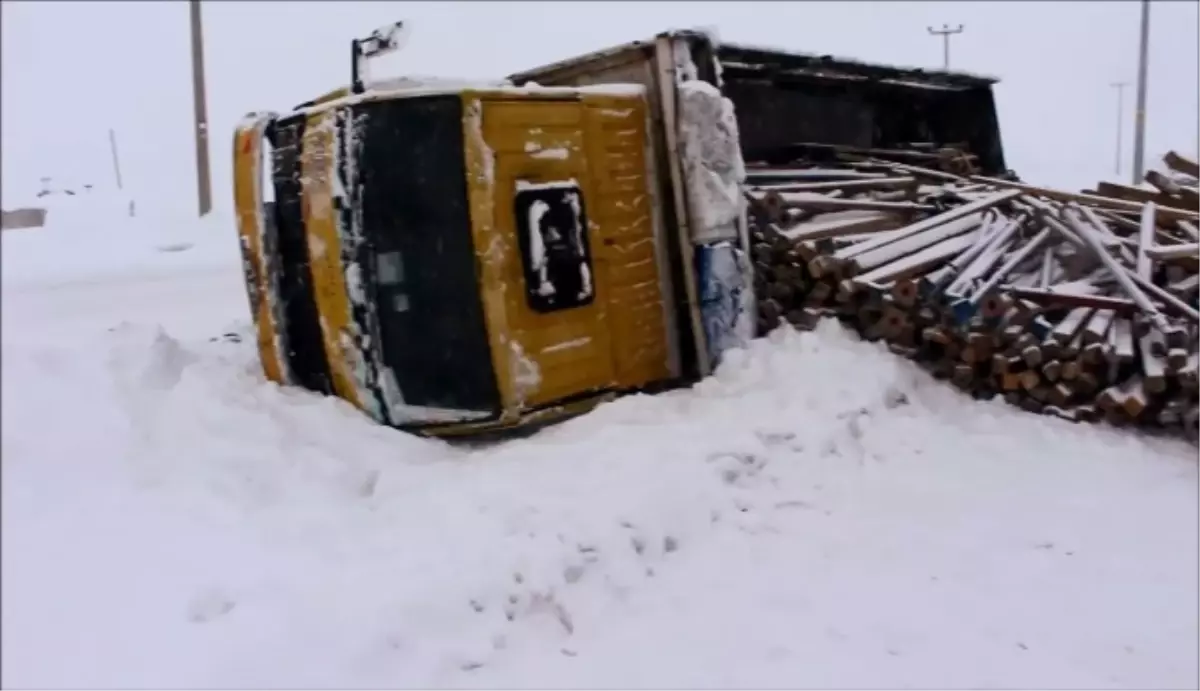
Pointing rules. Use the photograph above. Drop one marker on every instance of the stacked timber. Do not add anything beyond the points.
(1078, 305)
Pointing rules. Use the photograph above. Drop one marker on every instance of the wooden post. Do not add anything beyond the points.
(203, 173)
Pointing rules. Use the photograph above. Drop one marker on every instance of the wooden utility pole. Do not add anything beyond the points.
(945, 32)
(1120, 87)
(203, 173)
(1139, 123)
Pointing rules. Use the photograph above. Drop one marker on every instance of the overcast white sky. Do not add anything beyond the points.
(73, 70)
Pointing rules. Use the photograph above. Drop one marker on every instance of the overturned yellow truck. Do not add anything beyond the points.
(456, 260)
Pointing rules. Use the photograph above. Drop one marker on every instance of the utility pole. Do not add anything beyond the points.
(203, 174)
(945, 32)
(112, 143)
(1139, 137)
(1120, 87)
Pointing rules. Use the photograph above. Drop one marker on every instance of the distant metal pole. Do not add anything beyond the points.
(945, 32)
(1120, 87)
(203, 179)
(112, 142)
(1139, 137)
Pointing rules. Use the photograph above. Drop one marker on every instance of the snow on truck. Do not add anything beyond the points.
(455, 259)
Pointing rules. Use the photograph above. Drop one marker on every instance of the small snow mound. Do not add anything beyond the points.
(147, 357)
(712, 159)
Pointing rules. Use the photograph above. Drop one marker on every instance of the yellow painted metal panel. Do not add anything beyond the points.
(491, 249)
(248, 202)
(621, 339)
(569, 349)
(317, 163)
(539, 358)
(617, 153)
(503, 115)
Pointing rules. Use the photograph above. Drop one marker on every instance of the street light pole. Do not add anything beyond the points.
(1120, 87)
(1139, 137)
(203, 173)
(945, 32)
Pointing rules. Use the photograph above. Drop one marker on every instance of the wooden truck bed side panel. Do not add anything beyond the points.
(631, 248)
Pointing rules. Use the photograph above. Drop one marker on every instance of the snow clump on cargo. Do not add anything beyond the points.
(712, 160)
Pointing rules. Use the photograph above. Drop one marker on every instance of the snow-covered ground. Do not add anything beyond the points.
(819, 513)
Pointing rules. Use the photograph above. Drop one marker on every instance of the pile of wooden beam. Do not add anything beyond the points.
(1079, 305)
(948, 158)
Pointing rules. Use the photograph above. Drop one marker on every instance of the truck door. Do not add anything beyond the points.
(554, 303)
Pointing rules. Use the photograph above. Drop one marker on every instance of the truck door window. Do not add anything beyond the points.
(552, 234)
(389, 273)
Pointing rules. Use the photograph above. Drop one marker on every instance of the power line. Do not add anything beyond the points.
(945, 32)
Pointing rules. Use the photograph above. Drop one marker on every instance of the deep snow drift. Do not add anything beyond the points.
(819, 513)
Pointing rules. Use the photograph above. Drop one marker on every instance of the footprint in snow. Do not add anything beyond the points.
(573, 573)
(775, 438)
(732, 466)
(209, 605)
(175, 247)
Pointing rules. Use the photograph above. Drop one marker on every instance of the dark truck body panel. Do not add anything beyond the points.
(783, 98)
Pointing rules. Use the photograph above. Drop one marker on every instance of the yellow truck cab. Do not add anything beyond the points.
(455, 260)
